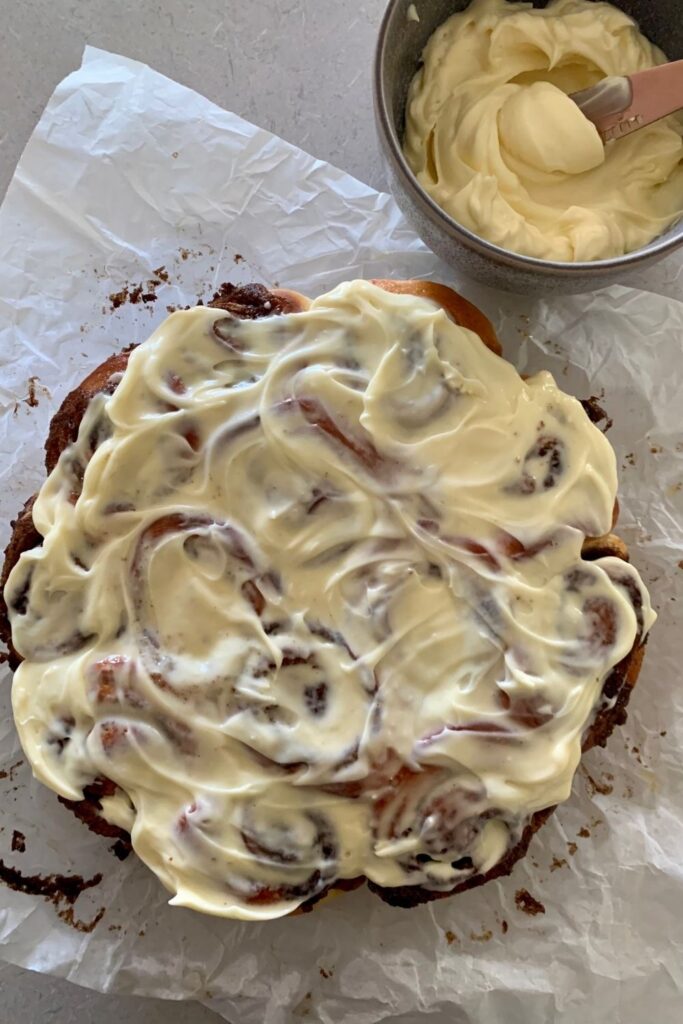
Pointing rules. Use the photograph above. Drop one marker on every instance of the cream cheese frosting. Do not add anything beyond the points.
(311, 594)
(494, 139)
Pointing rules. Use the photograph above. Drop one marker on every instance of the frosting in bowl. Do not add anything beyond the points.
(492, 136)
(311, 594)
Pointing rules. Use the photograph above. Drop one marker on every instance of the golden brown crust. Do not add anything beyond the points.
(24, 537)
(601, 547)
(458, 308)
(89, 810)
(66, 421)
(251, 302)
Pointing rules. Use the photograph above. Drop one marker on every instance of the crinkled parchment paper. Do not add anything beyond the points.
(127, 173)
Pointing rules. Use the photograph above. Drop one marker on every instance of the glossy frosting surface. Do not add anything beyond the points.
(311, 594)
(493, 137)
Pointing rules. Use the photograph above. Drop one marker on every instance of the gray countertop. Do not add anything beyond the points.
(300, 68)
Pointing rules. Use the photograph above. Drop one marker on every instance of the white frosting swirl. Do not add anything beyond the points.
(311, 594)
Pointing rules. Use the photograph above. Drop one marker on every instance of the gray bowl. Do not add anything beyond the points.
(397, 58)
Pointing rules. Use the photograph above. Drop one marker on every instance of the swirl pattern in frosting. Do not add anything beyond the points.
(311, 595)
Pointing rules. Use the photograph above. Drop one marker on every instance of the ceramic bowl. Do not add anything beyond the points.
(399, 48)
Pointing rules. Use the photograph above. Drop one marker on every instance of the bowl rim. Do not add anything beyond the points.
(438, 216)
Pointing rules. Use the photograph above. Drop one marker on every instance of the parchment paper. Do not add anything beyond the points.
(127, 173)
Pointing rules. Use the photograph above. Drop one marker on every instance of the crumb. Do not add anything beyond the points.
(120, 849)
(558, 862)
(135, 293)
(656, 449)
(31, 399)
(238, 258)
(303, 1009)
(572, 848)
(8, 773)
(484, 936)
(161, 273)
(663, 732)
(604, 788)
(504, 926)
(451, 937)
(326, 973)
(528, 904)
(141, 933)
(596, 413)
(630, 458)
(583, 832)
(68, 916)
(174, 154)
(118, 298)
(18, 842)
(58, 890)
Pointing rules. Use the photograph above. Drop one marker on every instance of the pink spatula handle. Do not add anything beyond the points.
(619, 106)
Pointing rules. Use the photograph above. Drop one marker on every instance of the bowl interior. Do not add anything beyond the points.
(404, 40)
